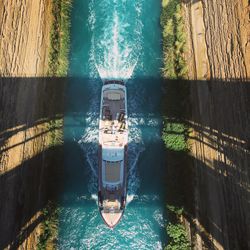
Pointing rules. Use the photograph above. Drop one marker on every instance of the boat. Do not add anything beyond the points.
(113, 144)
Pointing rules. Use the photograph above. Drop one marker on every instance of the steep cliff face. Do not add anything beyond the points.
(218, 39)
(30, 108)
(220, 121)
(29, 112)
(24, 32)
(218, 45)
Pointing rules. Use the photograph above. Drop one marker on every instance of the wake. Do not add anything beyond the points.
(115, 63)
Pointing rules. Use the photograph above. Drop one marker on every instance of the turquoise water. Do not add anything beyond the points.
(114, 39)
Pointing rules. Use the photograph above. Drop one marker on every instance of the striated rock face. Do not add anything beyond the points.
(24, 37)
(221, 152)
(218, 40)
(226, 27)
(29, 109)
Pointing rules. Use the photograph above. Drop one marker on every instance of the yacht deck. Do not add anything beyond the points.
(113, 125)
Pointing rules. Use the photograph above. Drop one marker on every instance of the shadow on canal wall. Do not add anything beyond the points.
(25, 191)
(30, 157)
(211, 181)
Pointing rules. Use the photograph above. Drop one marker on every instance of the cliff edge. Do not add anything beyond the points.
(31, 108)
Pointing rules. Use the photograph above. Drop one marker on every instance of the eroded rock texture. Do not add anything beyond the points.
(24, 37)
(221, 151)
(29, 107)
(29, 158)
(218, 40)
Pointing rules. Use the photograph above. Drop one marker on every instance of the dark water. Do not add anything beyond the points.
(114, 39)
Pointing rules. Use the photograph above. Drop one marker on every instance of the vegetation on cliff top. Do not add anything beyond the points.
(179, 167)
(60, 38)
(58, 67)
(173, 40)
(178, 237)
(48, 238)
(49, 226)
(175, 130)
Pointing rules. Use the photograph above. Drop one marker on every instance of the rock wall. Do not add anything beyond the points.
(221, 153)
(29, 115)
(30, 108)
(219, 68)
(218, 39)
(24, 37)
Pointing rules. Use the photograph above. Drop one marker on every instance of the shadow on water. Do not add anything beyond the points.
(75, 173)
(212, 112)
(146, 166)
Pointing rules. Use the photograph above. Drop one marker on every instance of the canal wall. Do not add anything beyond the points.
(215, 111)
(31, 113)
(31, 116)
(218, 42)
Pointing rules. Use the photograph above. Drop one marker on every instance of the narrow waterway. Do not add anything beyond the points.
(114, 39)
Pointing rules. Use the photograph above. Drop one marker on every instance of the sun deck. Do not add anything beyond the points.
(113, 123)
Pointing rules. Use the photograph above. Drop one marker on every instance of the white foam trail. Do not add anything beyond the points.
(130, 198)
(92, 16)
(94, 197)
(115, 64)
(158, 216)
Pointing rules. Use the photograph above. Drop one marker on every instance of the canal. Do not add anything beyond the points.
(114, 39)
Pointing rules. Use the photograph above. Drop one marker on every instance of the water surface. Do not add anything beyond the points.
(114, 39)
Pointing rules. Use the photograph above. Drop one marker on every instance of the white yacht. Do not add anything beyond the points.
(113, 141)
